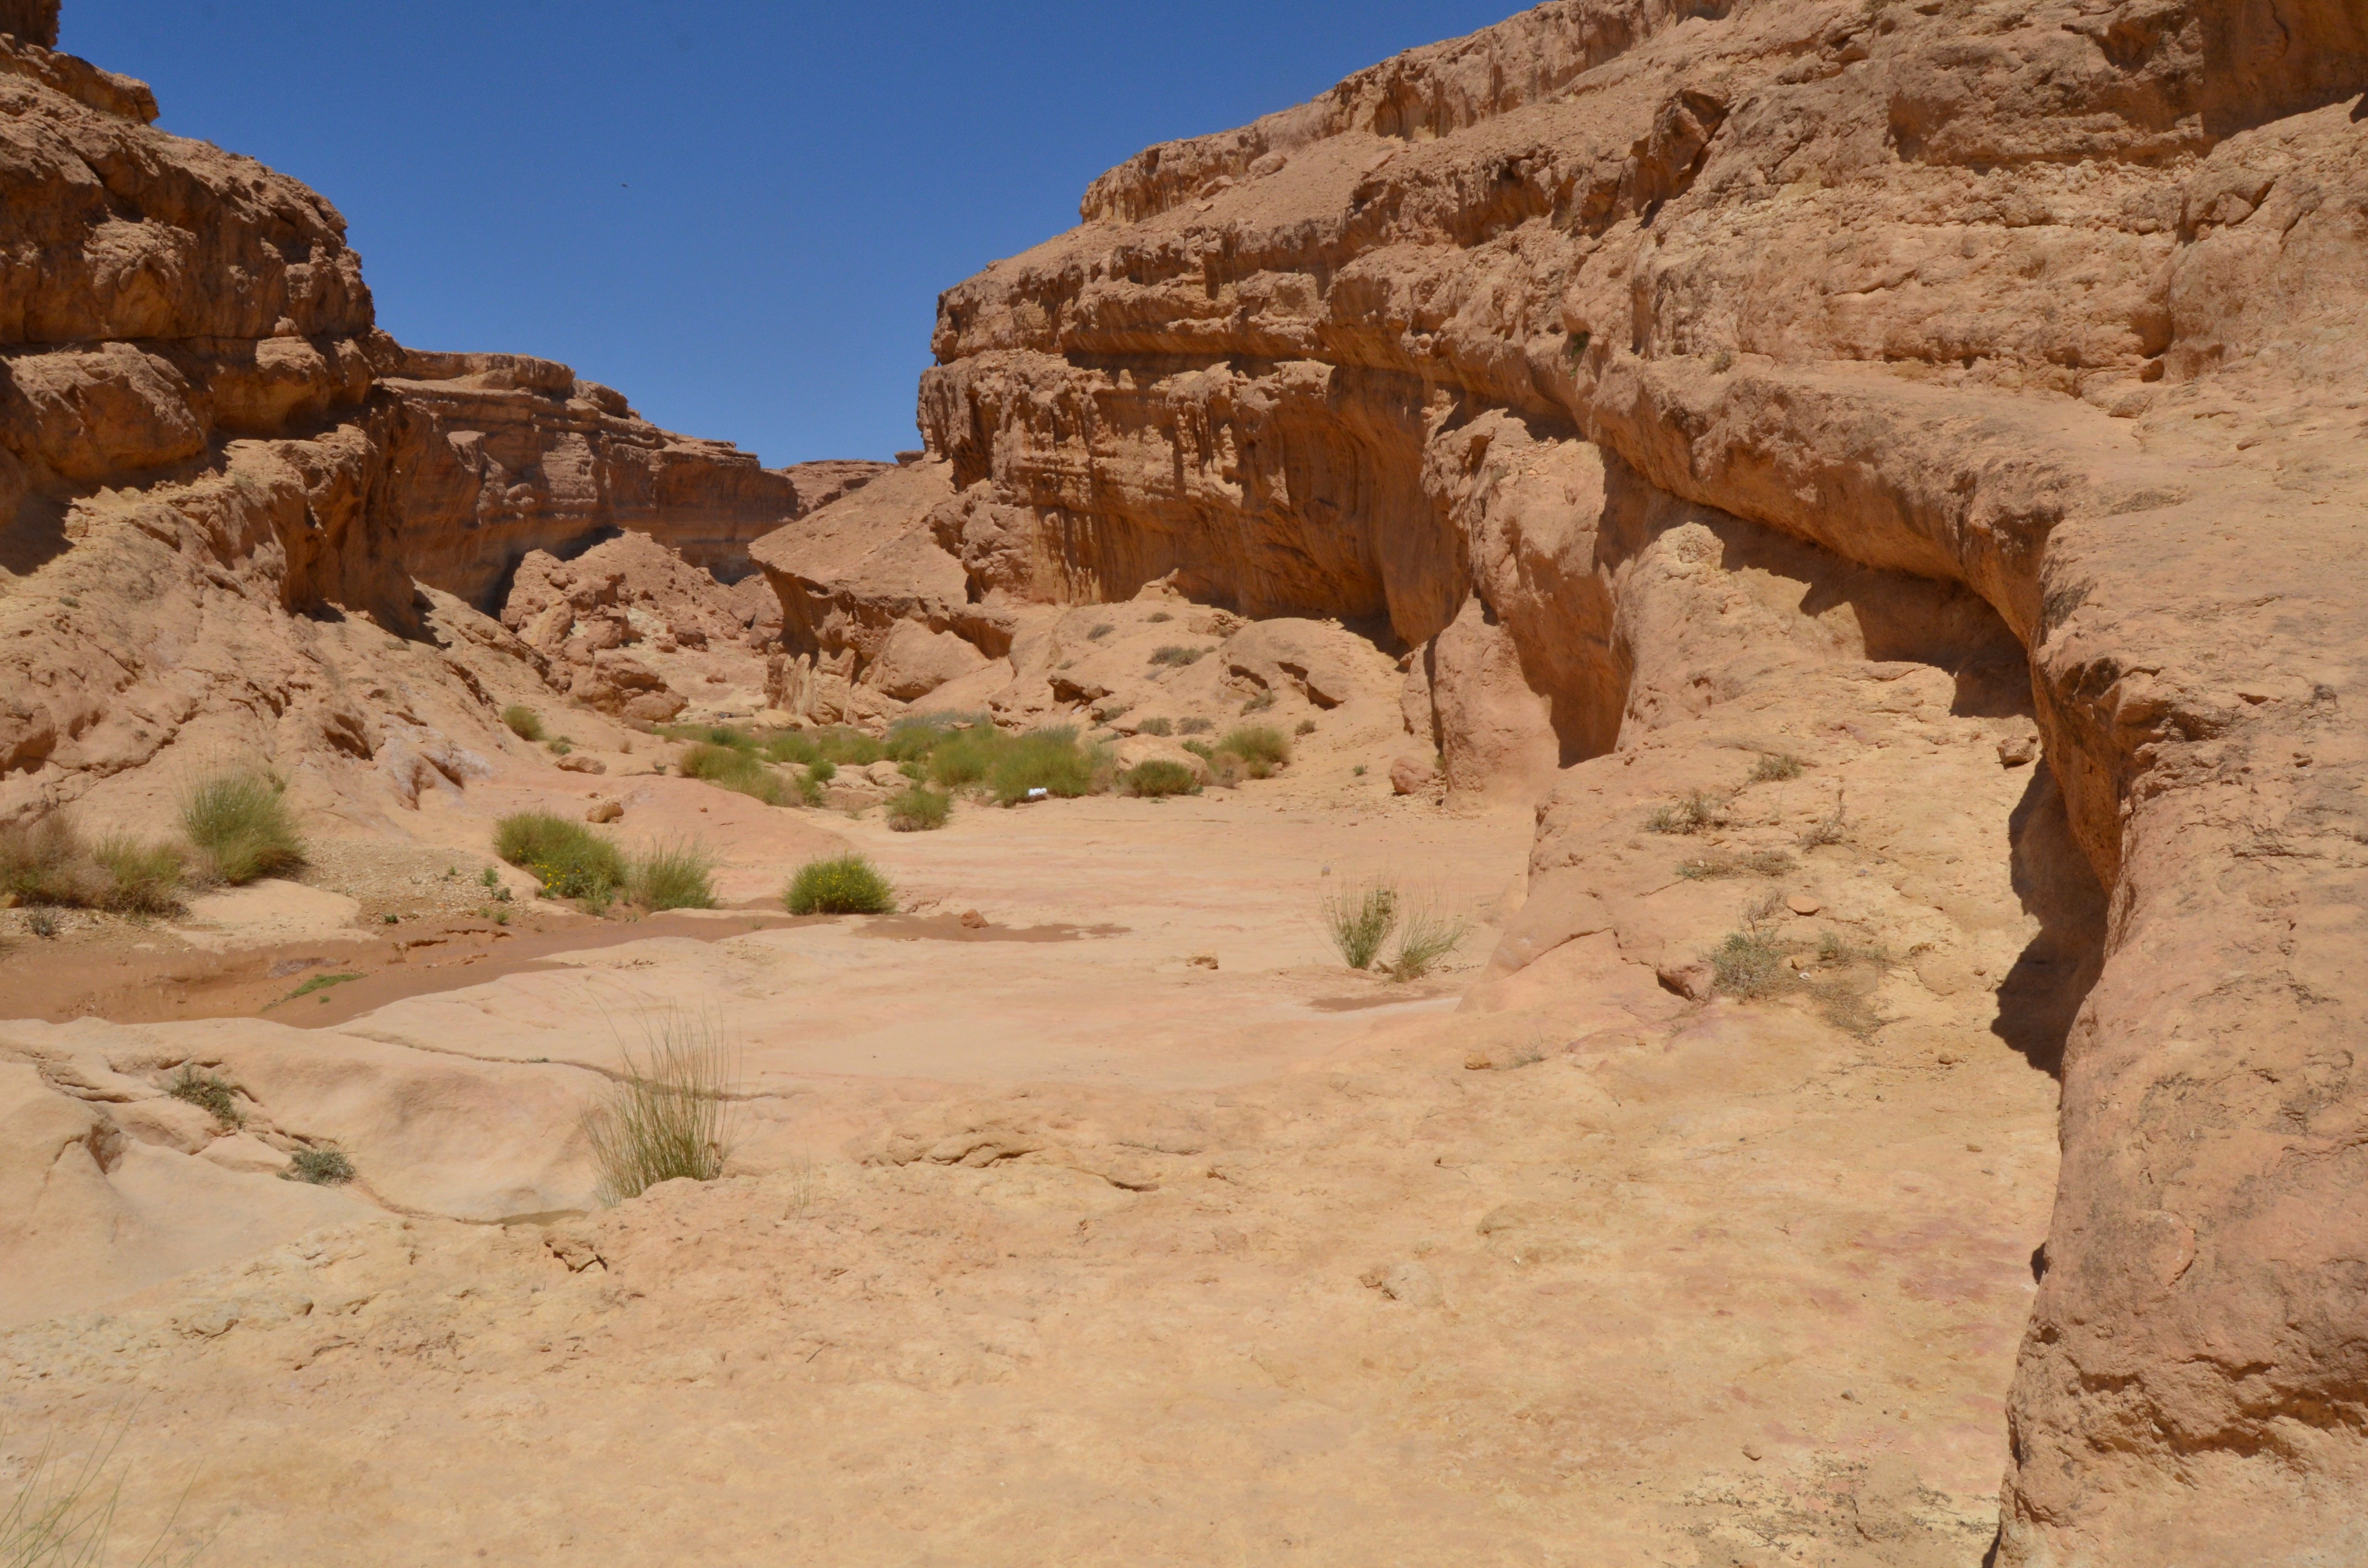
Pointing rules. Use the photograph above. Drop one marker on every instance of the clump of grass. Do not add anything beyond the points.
(672, 876)
(1260, 703)
(142, 878)
(1159, 776)
(45, 863)
(523, 722)
(1749, 964)
(1158, 616)
(845, 884)
(1359, 920)
(322, 1167)
(1832, 828)
(64, 1511)
(1775, 767)
(1053, 760)
(1261, 747)
(216, 1097)
(1425, 941)
(1359, 771)
(42, 924)
(1305, 727)
(1099, 632)
(837, 744)
(1175, 655)
(1155, 727)
(560, 747)
(729, 767)
(1718, 863)
(490, 877)
(918, 810)
(670, 1115)
(567, 857)
(1698, 809)
(1195, 726)
(915, 736)
(241, 825)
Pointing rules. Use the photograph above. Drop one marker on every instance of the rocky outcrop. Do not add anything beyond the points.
(2054, 311)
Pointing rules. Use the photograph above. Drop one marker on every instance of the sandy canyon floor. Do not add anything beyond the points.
(1127, 1227)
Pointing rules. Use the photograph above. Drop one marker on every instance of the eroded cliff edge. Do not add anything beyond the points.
(2060, 308)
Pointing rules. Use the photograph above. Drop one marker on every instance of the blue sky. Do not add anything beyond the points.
(739, 214)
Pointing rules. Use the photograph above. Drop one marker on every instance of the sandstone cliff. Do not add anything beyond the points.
(2045, 322)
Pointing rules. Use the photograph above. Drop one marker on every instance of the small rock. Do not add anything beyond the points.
(2016, 750)
(1692, 979)
(1973, 1148)
(1802, 903)
(577, 762)
(1475, 1062)
(603, 811)
(973, 920)
(1751, 1452)
(1413, 774)
(1203, 960)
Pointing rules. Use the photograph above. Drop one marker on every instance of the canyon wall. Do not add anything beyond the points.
(229, 503)
(2061, 308)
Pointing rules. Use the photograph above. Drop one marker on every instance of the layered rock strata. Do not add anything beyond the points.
(2058, 310)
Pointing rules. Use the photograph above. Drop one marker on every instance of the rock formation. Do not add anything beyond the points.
(2057, 313)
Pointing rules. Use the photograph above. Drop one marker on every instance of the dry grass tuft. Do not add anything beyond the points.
(670, 1115)
(241, 827)
(1359, 919)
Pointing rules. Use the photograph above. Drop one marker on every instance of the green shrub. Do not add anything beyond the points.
(1359, 920)
(670, 1115)
(728, 768)
(1261, 747)
(914, 737)
(216, 1097)
(1305, 727)
(523, 722)
(560, 747)
(1202, 750)
(846, 884)
(241, 824)
(1747, 965)
(1424, 939)
(1176, 656)
(142, 878)
(1774, 767)
(672, 876)
(822, 770)
(918, 810)
(46, 863)
(836, 744)
(1161, 777)
(1053, 760)
(1260, 703)
(322, 1167)
(963, 759)
(567, 857)
(1155, 727)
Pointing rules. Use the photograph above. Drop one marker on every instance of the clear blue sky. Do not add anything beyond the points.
(739, 214)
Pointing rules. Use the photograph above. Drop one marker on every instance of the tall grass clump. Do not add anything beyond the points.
(1424, 939)
(141, 878)
(217, 1097)
(45, 863)
(1053, 760)
(729, 767)
(1749, 964)
(1698, 809)
(846, 884)
(567, 857)
(1160, 777)
(918, 810)
(523, 722)
(672, 876)
(1775, 767)
(241, 825)
(1176, 656)
(64, 1511)
(1262, 748)
(1359, 920)
(669, 1116)
(836, 744)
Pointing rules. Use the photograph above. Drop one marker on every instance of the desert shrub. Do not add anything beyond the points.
(1155, 727)
(845, 884)
(490, 877)
(1424, 939)
(41, 924)
(523, 722)
(322, 1167)
(1359, 771)
(560, 747)
(1261, 747)
(1698, 809)
(915, 736)
(1305, 727)
(1110, 711)
(918, 810)
(1195, 726)
(216, 1097)
(1176, 656)
(1158, 616)
(1359, 920)
(46, 863)
(672, 876)
(963, 759)
(1718, 863)
(141, 878)
(1260, 703)
(1160, 777)
(1201, 749)
(1099, 632)
(836, 744)
(728, 768)
(1052, 759)
(669, 1116)
(1831, 828)
(822, 770)
(1746, 965)
(1775, 767)
(241, 824)
(567, 857)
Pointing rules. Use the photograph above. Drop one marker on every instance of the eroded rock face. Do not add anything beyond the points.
(2053, 311)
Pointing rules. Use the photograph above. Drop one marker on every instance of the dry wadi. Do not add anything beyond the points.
(1599, 804)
